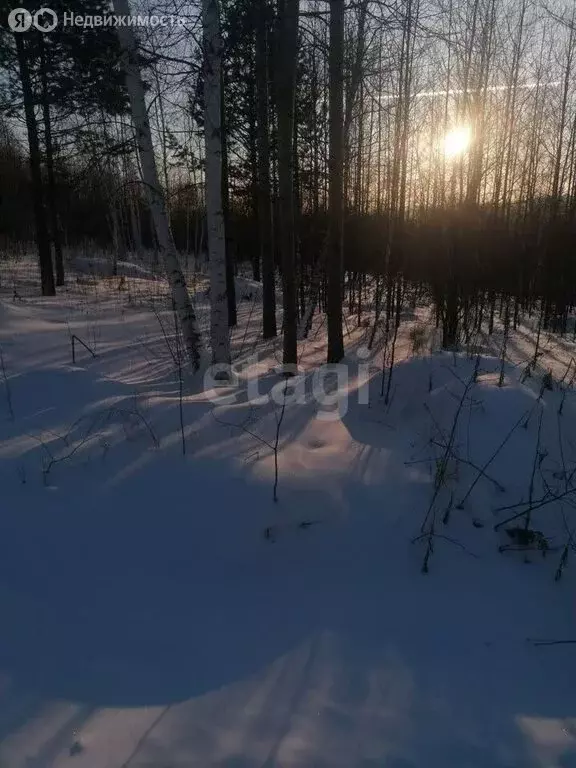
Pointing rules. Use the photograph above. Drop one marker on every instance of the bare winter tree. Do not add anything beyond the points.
(49, 153)
(264, 187)
(214, 213)
(167, 249)
(336, 183)
(455, 176)
(288, 12)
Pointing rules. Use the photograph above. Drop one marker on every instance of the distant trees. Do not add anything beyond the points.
(365, 156)
(65, 72)
(15, 190)
(42, 241)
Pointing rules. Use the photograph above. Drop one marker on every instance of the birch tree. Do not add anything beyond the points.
(167, 249)
(214, 212)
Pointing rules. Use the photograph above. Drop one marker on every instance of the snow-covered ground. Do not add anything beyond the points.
(159, 609)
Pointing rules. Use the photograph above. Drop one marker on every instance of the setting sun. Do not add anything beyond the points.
(457, 141)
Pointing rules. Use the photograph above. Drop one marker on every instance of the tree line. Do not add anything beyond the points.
(357, 151)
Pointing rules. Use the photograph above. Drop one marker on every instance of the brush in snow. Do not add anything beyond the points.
(525, 539)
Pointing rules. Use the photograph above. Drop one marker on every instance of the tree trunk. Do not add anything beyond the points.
(264, 187)
(252, 139)
(135, 226)
(230, 282)
(450, 326)
(286, 87)
(42, 240)
(166, 246)
(214, 210)
(119, 250)
(335, 191)
(49, 152)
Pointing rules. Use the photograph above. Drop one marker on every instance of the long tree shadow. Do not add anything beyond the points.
(154, 585)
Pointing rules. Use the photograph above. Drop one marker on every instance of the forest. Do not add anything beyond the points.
(453, 169)
(287, 383)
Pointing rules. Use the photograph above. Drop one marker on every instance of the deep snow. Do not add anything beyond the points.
(159, 609)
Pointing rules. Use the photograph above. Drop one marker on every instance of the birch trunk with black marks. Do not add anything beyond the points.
(166, 247)
(228, 246)
(214, 212)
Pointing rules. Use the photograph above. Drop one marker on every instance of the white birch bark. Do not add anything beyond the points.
(214, 214)
(167, 249)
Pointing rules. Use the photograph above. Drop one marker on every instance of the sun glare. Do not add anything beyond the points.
(457, 141)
